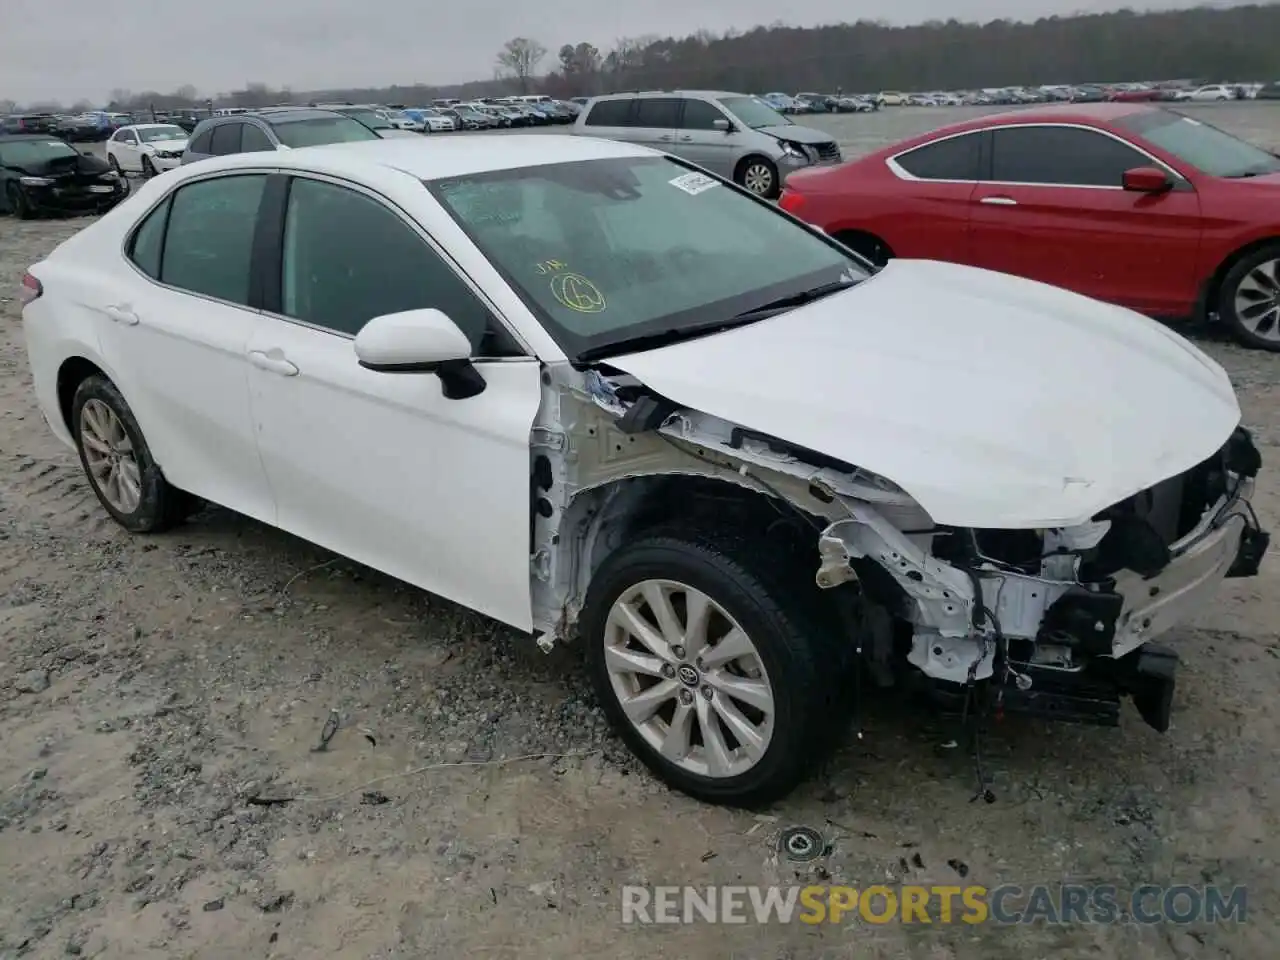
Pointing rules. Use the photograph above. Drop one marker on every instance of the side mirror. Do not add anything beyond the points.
(722, 125)
(1147, 180)
(420, 341)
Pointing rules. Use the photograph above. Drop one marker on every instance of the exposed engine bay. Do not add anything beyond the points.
(1053, 621)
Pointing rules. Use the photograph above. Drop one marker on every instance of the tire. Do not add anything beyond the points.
(761, 172)
(155, 504)
(114, 164)
(19, 205)
(871, 247)
(788, 637)
(1246, 294)
(148, 168)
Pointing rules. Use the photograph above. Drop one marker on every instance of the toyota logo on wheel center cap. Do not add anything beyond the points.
(688, 675)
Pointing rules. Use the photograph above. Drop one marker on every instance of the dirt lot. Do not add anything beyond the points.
(149, 686)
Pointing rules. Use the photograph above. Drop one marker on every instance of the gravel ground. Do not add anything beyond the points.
(150, 686)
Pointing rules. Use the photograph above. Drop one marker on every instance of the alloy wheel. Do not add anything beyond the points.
(689, 679)
(109, 455)
(1257, 301)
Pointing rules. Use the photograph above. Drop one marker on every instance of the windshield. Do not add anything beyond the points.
(22, 153)
(370, 118)
(314, 131)
(607, 251)
(754, 112)
(1206, 148)
(152, 134)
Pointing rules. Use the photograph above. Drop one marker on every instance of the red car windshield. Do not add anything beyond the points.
(1203, 146)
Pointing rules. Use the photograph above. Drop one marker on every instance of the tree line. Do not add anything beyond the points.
(1212, 44)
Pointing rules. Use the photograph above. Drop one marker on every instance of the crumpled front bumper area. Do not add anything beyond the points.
(1059, 641)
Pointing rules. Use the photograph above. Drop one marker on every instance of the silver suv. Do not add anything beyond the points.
(733, 134)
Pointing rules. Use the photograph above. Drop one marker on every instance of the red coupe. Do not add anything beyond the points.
(1128, 203)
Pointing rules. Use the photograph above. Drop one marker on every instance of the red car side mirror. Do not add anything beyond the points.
(1147, 180)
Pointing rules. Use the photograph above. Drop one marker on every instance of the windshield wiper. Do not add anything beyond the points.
(661, 338)
(783, 304)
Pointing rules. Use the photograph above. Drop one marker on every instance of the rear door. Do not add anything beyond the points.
(1053, 208)
(698, 140)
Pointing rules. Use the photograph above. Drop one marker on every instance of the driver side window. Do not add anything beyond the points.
(349, 258)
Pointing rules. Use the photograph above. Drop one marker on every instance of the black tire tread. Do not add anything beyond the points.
(808, 636)
(163, 505)
(1226, 297)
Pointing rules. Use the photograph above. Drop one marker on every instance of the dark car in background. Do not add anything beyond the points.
(28, 123)
(1269, 91)
(270, 129)
(42, 174)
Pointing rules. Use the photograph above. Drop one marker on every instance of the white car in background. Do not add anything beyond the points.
(402, 121)
(146, 148)
(436, 122)
(592, 391)
(1214, 92)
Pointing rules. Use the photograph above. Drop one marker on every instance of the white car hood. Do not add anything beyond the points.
(994, 401)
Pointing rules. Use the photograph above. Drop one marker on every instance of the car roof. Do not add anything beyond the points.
(430, 159)
(29, 136)
(147, 126)
(1086, 113)
(672, 93)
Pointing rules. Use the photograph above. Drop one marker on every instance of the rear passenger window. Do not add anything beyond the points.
(208, 246)
(658, 112)
(609, 113)
(148, 241)
(254, 139)
(953, 159)
(226, 139)
(1061, 156)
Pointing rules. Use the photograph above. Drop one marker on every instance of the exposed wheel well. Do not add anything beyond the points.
(865, 243)
(73, 372)
(1213, 286)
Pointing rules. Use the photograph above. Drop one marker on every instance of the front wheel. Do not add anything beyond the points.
(148, 168)
(19, 205)
(759, 176)
(1249, 299)
(707, 662)
(114, 164)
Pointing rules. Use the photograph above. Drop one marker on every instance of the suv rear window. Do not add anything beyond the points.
(609, 113)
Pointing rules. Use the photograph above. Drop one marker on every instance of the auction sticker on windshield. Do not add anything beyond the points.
(694, 183)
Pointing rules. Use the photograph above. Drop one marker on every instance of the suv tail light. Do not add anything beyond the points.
(30, 290)
(791, 202)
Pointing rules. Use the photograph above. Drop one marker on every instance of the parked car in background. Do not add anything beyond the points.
(370, 117)
(738, 136)
(28, 123)
(146, 148)
(403, 120)
(432, 120)
(272, 128)
(1218, 92)
(82, 128)
(556, 335)
(1129, 203)
(1269, 91)
(1135, 93)
(42, 174)
(892, 98)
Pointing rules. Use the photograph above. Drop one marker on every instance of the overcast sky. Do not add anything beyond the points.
(66, 51)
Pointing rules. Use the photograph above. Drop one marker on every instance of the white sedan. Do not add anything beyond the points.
(591, 391)
(1214, 92)
(146, 148)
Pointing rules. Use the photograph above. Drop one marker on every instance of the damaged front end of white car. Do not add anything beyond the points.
(1056, 621)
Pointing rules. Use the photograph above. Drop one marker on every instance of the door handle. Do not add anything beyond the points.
(1000, 201)
(274, 364)
(686, 139)
(664, 136)
(120, 314)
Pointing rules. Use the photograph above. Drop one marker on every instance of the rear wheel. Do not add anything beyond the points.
(124, 476)
(711, 665)
(1249, 299)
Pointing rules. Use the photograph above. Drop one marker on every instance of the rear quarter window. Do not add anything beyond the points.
(200, 144)
(956, 158)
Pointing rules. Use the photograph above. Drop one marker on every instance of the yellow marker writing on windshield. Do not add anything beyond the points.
(577, 293)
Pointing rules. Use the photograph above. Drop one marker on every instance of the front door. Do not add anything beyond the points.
(1054, 209)
(175, 339)
(654, 123)
(698, 140)
(382, 467)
